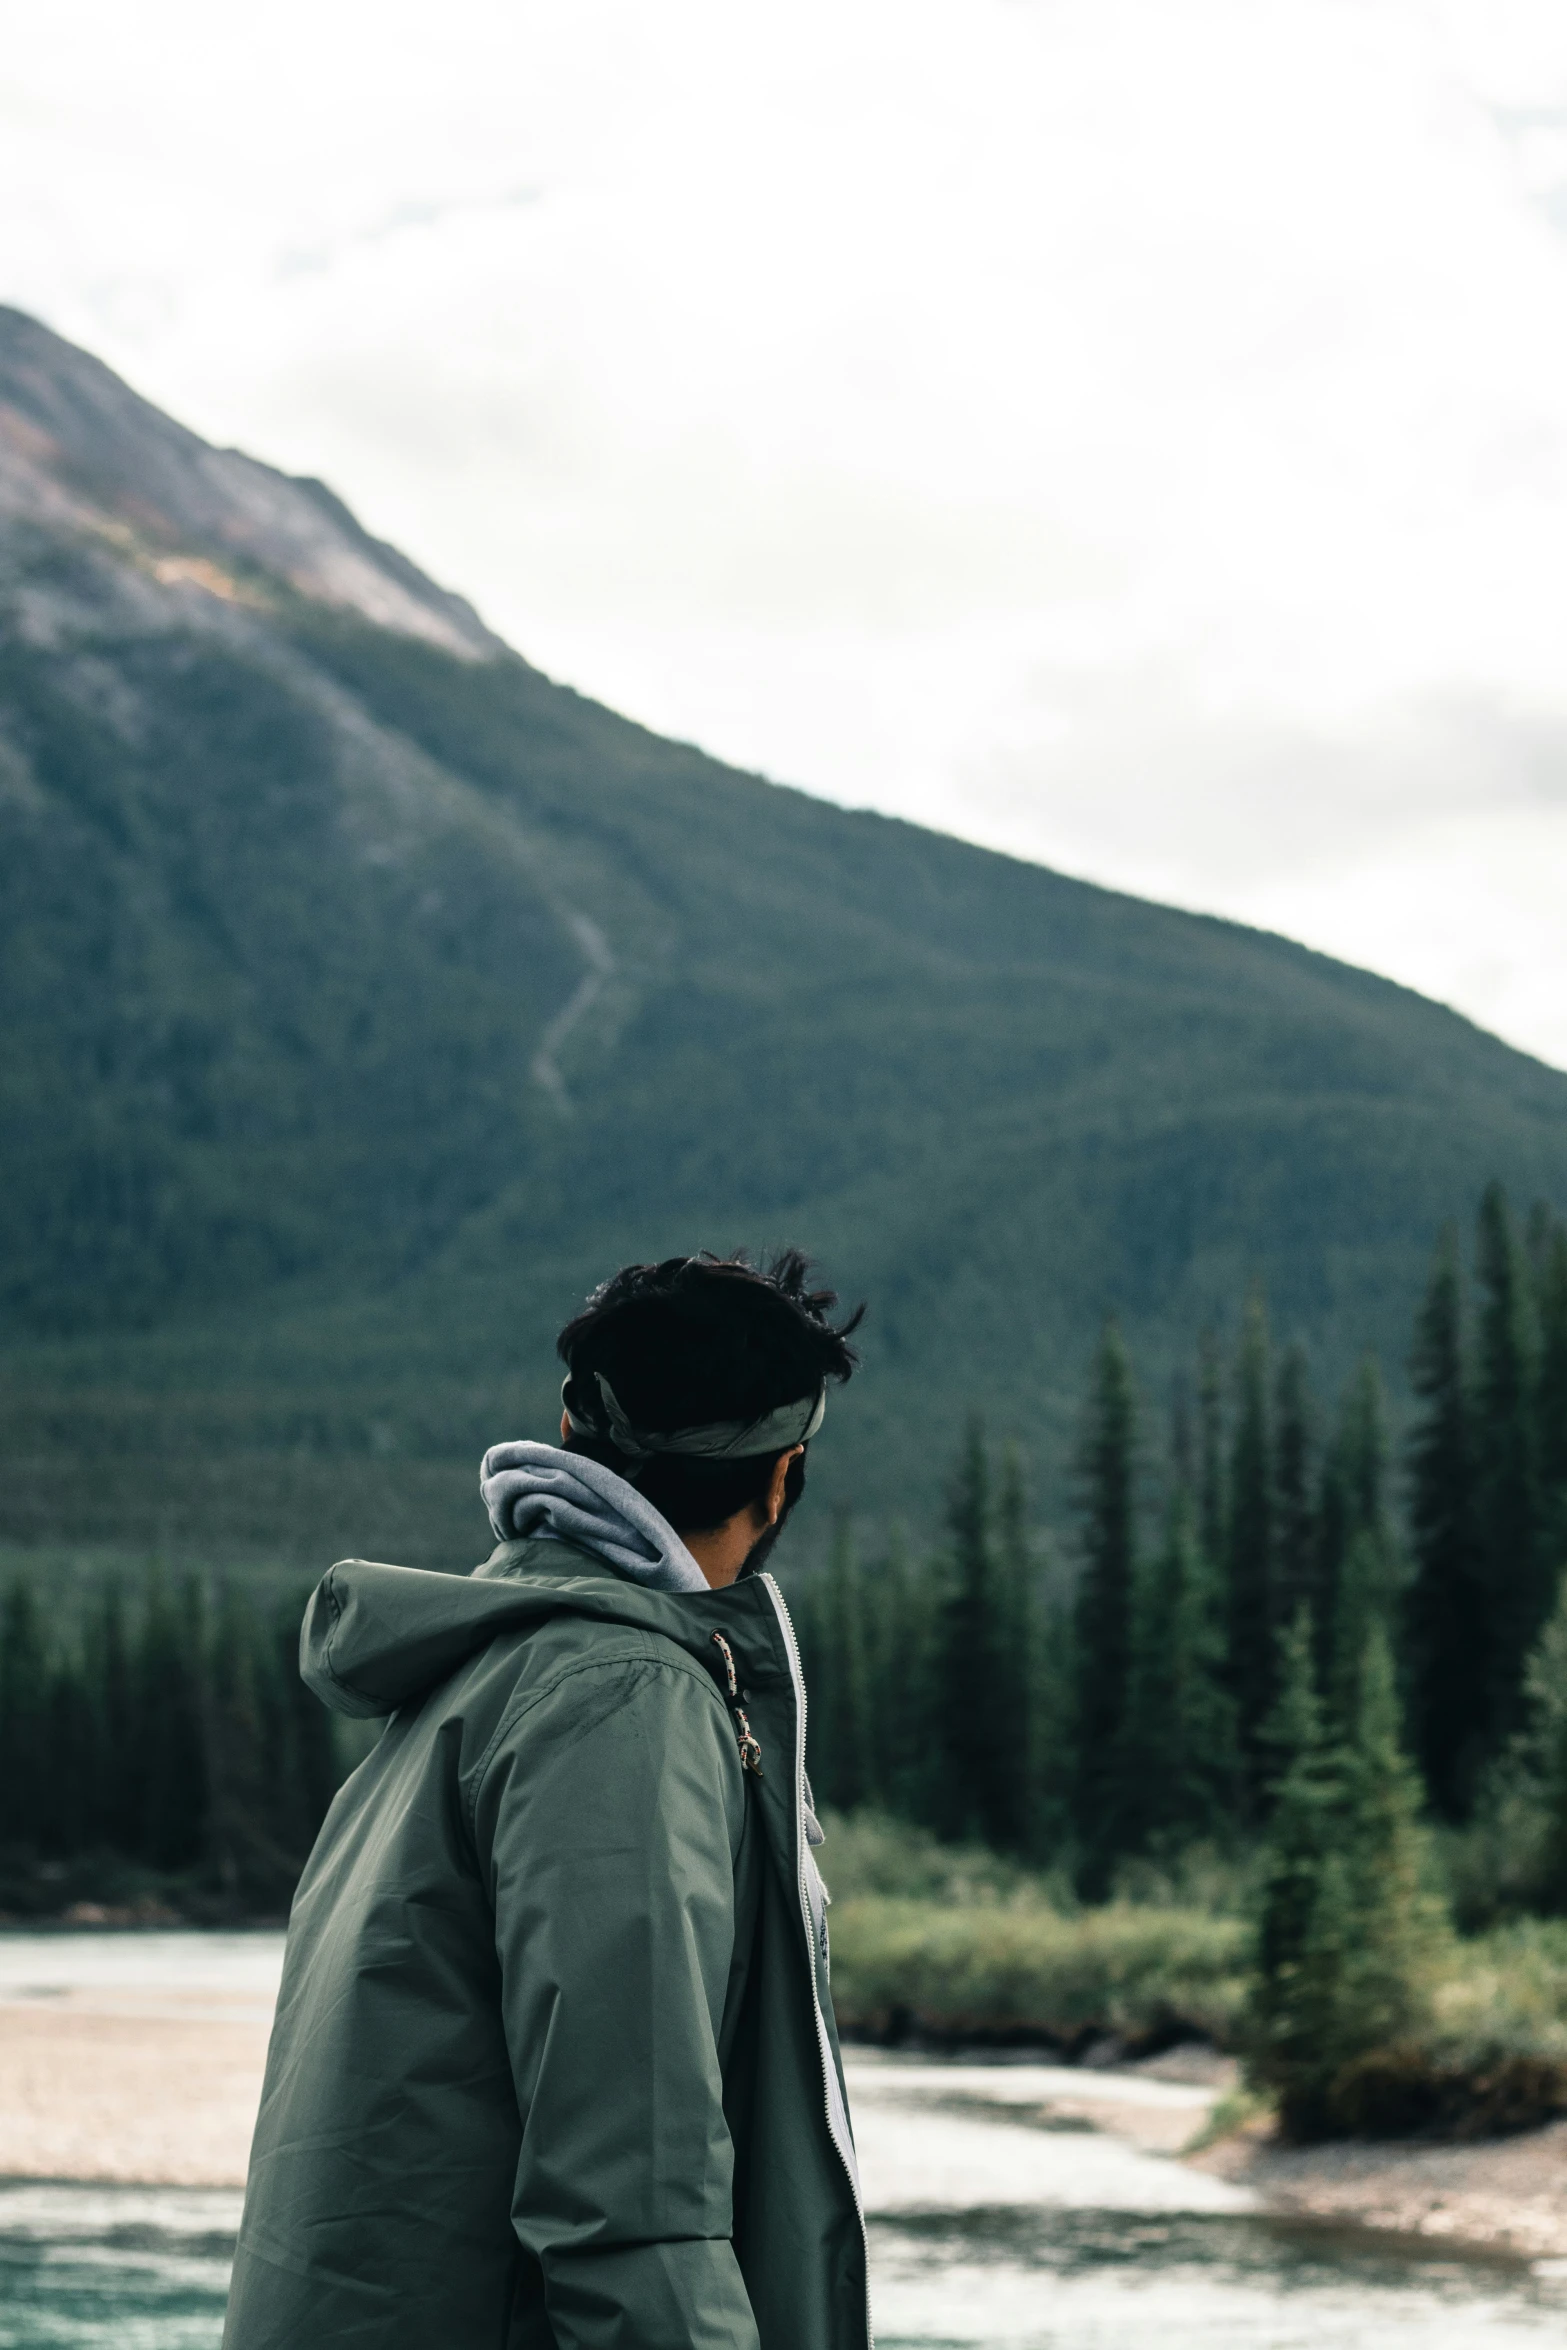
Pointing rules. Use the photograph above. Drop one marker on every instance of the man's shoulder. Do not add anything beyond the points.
(627, 1693)
(570, 1646)
(575, 1638)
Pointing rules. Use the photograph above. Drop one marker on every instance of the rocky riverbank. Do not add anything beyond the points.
(1505, 2195)
(137, 2059)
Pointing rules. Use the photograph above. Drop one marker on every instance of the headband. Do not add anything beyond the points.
(721, 1440)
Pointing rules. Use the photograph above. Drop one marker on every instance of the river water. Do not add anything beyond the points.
(995, 2222)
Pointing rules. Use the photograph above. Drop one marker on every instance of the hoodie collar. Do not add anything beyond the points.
(539, 1492)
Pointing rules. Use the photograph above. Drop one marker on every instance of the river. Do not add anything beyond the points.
(995, 2222)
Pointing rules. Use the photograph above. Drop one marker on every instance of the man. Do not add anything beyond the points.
(554, 2065)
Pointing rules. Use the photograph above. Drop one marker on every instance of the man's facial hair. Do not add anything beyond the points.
(760, 1551)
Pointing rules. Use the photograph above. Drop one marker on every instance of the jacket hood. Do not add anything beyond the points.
(375, 1636)
(541, 1490)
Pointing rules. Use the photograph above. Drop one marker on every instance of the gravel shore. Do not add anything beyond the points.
(133, 2059)
(135, 2098)
(1502, 2194)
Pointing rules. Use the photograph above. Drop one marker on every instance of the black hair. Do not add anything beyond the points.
(698, 1339)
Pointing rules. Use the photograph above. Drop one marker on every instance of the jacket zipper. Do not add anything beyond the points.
(824, 2049)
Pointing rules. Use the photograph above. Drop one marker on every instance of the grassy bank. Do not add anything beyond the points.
(935, 1943)
(946, 1946)
(1142, 1978)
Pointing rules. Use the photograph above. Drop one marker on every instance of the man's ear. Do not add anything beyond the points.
(565, 1424)
(773, 1505)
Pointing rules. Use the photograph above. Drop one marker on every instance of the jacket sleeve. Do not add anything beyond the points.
(610, 1817)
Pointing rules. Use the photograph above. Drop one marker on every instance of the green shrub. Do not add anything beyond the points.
(1023, 1971)
(870, 1853)
(1202, 1875)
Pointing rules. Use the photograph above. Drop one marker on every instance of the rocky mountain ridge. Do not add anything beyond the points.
(80, 452)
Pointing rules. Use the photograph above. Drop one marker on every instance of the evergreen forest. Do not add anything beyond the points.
(160, 1756)
(1281, 1653)
(1260, 1601)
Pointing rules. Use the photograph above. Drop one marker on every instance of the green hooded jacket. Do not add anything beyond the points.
(554, 2064)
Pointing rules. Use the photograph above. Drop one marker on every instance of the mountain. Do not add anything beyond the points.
(366, 996)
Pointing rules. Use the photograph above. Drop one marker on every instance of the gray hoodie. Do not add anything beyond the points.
(536, 1491)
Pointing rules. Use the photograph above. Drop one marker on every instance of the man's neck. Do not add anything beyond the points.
(723, 1552)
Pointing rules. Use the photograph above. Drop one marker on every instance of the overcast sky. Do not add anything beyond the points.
(1129, 432)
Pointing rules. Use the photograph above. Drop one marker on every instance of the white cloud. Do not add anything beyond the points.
(1131, 433)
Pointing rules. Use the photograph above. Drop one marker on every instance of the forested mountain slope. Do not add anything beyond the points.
(364, 995)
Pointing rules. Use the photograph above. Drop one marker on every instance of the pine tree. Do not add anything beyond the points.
(844, 1756)
(1147, 1812)
(69, 1761)
(899, 1664)
(1347, 1930)
(1334, 1533)
(24, 1793)
(1359, 1562)
(980, 1795)
(1107, 1805)
(1551, 1398)
(239, 1847)
(1364, 1449)
(1016, 1648)
(1385, 1973)
(1516, 1583)
(110, 1683)
(1249, 1547)
(1295, 1517)
(1539, 1763)
(173, 1789)
(1212, 1507)
(1183, 1438)
(1444, 1610)
(1053, 1747)
(1292, 1993)
(1182, 1730)
(1363, 1605)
